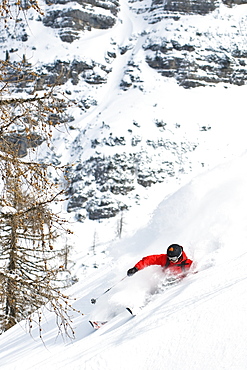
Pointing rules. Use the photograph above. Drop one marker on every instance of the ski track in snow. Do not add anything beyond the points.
(157, 319)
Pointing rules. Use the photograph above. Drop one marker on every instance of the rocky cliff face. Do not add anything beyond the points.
(100, 185)
(71, 19)
(186, 6)
(176, 42)
(203, 60)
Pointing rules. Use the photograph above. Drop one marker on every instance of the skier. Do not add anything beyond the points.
(175, 262)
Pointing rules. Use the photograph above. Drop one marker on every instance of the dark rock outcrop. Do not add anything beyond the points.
(104, 207)
(234, 2)
(99, 184)
(18, 144)
(71, 21)
(188, 6)
(197, 69)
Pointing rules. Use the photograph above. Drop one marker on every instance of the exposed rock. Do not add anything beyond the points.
(60, 72)
(234, 2)
(111, 5)
(76, 202)
(174, 9)
(71, 21)
(18, 144)
(110, 141)
(197, 69)
(149, 176)
(99, 183)
(104, 208)
(191, 6)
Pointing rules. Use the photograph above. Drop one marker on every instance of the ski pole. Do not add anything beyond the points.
(93, 300)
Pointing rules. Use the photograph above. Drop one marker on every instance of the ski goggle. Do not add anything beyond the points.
(175, 259)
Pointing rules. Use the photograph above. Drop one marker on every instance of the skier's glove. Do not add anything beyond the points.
(132, 271)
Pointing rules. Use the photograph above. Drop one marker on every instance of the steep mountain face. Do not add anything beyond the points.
(100, 52)
(99, 184)
(200, 59)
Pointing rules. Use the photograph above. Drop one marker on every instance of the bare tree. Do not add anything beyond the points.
(29, 256)
(11, 10)
(120, 225)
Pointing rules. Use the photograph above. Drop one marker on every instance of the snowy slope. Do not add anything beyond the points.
(198, 324)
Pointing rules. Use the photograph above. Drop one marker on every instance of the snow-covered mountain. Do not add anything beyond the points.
(123, 64)
(156, 152)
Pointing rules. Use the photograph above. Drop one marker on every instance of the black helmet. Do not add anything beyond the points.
(174, 251)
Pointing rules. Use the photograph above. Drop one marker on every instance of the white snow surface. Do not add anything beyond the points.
(196, 324)
(200, 323)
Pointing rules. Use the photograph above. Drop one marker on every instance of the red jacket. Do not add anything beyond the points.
(179, 268)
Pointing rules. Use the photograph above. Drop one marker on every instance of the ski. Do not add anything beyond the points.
(98, 324)
(130, 311)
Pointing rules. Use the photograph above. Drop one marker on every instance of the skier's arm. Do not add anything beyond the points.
(156, 259)
(147, 261)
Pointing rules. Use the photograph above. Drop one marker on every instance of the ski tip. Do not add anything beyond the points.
(97, 324)
(91, 323)
(129, 310)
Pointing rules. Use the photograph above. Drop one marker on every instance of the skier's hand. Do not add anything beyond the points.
(132, 271)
